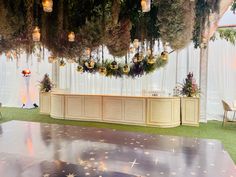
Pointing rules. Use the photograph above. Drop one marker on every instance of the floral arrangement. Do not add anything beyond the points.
(189, 87)
(46, 84)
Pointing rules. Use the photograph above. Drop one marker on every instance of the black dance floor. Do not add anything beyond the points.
(48, 150)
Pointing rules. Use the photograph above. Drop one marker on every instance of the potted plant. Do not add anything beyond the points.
(46, 84)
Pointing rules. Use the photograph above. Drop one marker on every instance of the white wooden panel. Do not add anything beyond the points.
(134, 110)
(45, 103)
(93, 107)
(161, 112)
(74, 106)
(190, 111)
(112, 109)
(176, 111)
(57, 106)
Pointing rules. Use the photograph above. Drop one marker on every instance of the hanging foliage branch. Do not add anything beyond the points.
(113, 23)
(228, 34)
(233, 7)
(176, 28)
(203, 10)
(117, 38)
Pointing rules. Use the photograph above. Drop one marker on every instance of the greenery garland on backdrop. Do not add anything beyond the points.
(78, 31)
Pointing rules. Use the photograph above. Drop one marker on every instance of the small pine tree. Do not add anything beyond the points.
(46, 84)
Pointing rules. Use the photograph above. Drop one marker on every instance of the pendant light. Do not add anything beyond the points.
(114, 65)
(103, 69)
(71, 36)
(164, 55)
(80, 68)
(36, 34)
(126, 67)
(146, 5)
(47, 5)
(136, 43)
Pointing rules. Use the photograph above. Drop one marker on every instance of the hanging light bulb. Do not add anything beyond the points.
(164, 55)
(80, 69)
(47, 5)
(114, 65)
(90, 64)
(140, 57)
(151, 59)
(126, 69)
(71, 60)
(8, 55)
(146, 5)
(149, 52)
(103, 70)
(71, 36)
(52, 59)
(26, 72)
(203, 43)
(87, 51)
(131, 49)
(62, 63)
(136, 43)
(36, 34)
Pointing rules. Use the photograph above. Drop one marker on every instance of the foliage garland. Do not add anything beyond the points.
(137, 69)
(229, 34)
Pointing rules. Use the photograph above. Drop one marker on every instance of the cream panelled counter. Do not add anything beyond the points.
(135, 110)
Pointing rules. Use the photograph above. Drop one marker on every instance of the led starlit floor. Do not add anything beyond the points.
(49, 150)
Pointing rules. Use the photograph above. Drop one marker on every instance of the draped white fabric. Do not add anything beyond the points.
(13, 91)
(221, 77)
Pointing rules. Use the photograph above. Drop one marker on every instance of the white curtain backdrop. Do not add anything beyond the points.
(221, 77)
(12, 83)
(163, 80)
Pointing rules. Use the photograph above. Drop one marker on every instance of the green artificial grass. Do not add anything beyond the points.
(210, 130)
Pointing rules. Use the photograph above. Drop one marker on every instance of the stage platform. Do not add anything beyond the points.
(50, 150)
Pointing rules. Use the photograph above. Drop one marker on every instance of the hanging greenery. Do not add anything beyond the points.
(113, 23)
(203, 10)
(229, 34)
(117, 38)
(233, 7)
(176, 28)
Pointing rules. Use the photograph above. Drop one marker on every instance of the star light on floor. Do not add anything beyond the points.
(134, 163)
(70, 175)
